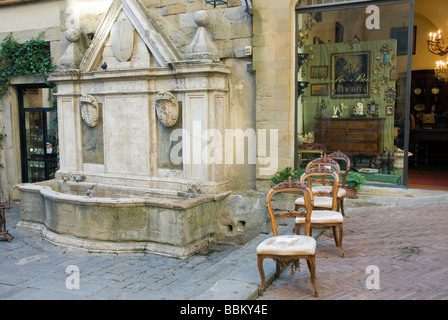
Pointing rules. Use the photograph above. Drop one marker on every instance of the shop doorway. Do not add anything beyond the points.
(428, 168)
(38, 127)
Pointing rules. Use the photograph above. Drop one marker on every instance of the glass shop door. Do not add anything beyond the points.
(38, 124)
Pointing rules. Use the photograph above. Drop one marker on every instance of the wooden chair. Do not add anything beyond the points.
(324, 218)
(287, 249)
(339, 156)
(330, 160)
(321, 187)
(309, 148)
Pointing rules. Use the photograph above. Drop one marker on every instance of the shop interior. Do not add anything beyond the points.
(353, 91)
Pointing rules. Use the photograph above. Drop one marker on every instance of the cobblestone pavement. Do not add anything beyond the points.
(391, 253)
(32, 268)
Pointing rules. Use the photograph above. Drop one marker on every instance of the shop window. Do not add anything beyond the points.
(352, 84)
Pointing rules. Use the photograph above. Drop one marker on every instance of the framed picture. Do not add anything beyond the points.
(319, 72)
(393, 74)
(390, 110)
(390, 95)
(372, 108)
(385, 57)
(401, 34)
(349, 75)
(319, 89)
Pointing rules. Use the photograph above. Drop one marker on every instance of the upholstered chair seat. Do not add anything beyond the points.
(288, 245)
(323, 217)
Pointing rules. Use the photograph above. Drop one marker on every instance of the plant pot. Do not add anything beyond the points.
(351, 193)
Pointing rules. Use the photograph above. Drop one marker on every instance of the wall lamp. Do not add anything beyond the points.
(216, 2)
(302, 58)
(302, 86)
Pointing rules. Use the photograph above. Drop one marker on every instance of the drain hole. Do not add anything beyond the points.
(240, 226)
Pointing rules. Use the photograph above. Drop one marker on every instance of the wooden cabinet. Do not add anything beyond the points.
(351, 136)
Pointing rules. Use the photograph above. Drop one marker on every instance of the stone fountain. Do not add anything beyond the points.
(134, 112)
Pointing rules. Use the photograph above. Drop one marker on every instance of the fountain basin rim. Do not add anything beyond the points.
(161, 198)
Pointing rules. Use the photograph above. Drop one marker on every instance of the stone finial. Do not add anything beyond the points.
(202, 47)
(202, 18)
(73, 55)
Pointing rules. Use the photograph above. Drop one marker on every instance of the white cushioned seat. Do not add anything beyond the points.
(341, 192)
(288, 245)
(323, 216)
(319, 202)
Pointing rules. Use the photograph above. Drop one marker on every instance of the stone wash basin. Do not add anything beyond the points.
(119, 219)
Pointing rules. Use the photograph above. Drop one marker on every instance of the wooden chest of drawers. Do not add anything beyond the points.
(350, 135)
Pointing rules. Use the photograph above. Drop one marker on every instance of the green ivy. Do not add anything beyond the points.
(29, 58)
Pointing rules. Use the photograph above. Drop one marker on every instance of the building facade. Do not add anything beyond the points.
(260, 78)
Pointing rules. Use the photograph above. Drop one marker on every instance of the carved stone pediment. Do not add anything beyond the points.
(167, 108)
(134, 24)
(90, 110)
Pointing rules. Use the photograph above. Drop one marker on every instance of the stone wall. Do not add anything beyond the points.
(52, 17)
(261, 83)
(274, 65)
(230, 27)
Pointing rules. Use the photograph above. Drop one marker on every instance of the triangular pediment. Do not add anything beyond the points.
(132, 36)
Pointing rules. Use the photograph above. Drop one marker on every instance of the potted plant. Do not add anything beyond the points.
(284, 174)
(353, 184)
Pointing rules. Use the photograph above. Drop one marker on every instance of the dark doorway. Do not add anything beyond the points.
(39, 135)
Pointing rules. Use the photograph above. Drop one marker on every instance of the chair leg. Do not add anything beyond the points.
(262, 276)
(337, 235)
(311, 262)
(341, 206)
(341, 234)
(278, 269)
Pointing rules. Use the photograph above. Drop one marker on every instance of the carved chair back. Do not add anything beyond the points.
(322, 172)
(324, 162)
(338, 155)
(291, 186)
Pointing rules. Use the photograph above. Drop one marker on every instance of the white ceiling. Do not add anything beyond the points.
(435, 10)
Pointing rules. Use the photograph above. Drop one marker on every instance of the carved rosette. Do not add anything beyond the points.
(90, 111)
(167, 108)
(289, 183)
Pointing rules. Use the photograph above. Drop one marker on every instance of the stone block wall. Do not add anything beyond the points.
(230, 26)
(273, 40)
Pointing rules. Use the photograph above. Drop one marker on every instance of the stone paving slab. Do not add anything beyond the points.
(33, 269)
